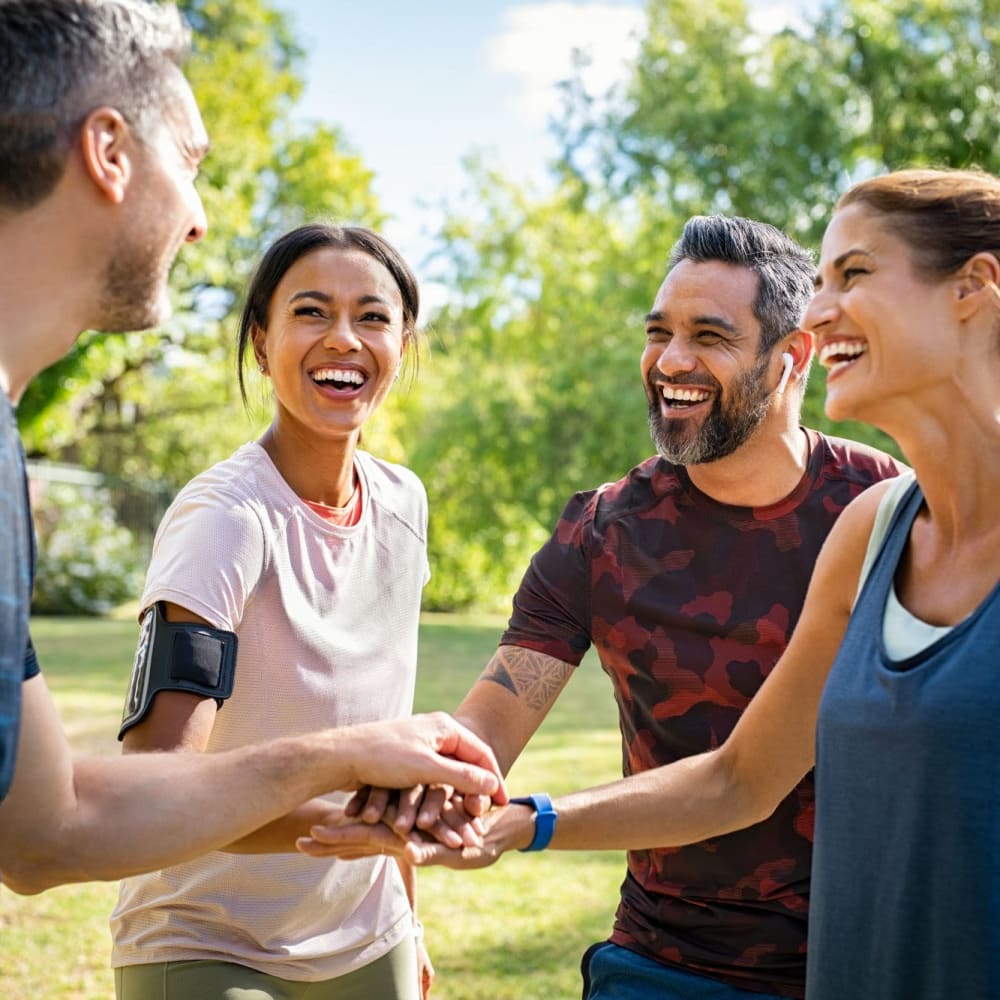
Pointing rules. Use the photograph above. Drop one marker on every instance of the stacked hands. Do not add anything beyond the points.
(426, 825)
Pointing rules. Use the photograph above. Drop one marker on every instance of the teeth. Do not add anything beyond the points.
(841, 351)
(349, 376)
(679, 394)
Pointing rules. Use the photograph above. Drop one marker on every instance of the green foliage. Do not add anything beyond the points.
(719, 118)
(923, 75)
(87, 562)
(165, 405)
(533, 390)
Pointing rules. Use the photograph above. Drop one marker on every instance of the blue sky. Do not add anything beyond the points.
(416, 86)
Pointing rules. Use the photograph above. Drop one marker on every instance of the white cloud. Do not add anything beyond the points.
(538, 40)
(768, 17)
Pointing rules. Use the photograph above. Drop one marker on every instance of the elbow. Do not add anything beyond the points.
(751, 801)
(31, 876)
(31, 867)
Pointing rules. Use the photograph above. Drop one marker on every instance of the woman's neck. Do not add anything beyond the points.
(321, 471)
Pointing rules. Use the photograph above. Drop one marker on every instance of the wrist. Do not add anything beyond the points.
(331, 760)
(543, 821)
(515, 829)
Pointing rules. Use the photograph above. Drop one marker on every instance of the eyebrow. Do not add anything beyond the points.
(363, 300)
(840, 262)
(842, 259)
(717, 321)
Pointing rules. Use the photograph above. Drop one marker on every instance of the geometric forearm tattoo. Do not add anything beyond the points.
(533, 677)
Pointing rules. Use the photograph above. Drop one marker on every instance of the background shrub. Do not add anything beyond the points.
(87, 561)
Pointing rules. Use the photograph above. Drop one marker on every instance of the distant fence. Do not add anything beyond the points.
(137, 506)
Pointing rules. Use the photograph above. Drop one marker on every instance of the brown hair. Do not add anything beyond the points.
(63, 58)
(944, 216)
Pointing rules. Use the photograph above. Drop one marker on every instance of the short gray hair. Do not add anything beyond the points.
(785, 271)
(60, 59)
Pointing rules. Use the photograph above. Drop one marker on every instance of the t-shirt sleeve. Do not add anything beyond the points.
(207, 557)
(17, 662)
(31, 665)
(551, 612)
(423, 528)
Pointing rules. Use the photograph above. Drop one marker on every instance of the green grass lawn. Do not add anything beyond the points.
(511, 932)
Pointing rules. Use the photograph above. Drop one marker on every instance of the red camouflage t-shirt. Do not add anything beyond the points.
(689, 603)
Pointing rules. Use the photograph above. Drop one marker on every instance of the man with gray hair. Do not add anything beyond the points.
(688, 576)
(100, 141)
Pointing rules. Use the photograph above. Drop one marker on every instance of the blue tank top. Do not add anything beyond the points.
(906, 866)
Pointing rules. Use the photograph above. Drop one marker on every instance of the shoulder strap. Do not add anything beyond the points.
(893, 498)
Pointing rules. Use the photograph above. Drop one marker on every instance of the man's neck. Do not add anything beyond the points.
(42, 291)
(763, 471)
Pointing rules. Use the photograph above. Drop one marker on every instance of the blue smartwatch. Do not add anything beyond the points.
(545, 820)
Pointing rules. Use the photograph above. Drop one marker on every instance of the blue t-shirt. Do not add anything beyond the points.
(17, 657)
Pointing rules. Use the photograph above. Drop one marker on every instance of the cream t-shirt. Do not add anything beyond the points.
(326, 618)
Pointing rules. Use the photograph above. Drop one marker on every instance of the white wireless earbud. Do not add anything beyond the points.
(789, 362)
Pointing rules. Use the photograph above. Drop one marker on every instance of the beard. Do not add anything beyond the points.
(135, 290)
(728, 425)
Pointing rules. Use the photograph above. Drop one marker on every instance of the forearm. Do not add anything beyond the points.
(511, 699)
(122, 816)
(682, 803)
(279, 836)
(409, 875)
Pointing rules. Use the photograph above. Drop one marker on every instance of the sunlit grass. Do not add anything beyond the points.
(512, 932)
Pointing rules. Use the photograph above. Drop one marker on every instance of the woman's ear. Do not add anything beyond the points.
(978, 285)
(257, 340)
(105, 146)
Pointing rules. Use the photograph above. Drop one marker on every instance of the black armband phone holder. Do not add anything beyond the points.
(178, 656)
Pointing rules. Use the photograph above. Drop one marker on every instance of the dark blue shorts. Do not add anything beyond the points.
(611, 972)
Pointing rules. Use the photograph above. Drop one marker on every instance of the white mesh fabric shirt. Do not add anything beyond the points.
(327, 623)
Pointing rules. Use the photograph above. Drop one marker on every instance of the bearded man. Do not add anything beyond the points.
(688, 576)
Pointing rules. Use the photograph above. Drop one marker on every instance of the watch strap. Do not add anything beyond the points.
(545, 819)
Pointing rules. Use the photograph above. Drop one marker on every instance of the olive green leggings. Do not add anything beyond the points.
(391, 977)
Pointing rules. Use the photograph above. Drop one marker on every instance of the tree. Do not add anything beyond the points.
(533, 391)
(533, 388)
(716, 117)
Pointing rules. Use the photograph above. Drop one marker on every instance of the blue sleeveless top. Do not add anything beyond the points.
(906, 867)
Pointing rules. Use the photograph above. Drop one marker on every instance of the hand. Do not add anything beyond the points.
(350, 841)
(424, 749)
(436, 809)
(507, 828)
(425, 971)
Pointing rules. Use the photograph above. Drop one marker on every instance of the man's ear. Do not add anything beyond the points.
(799, 344)
(105, 144)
